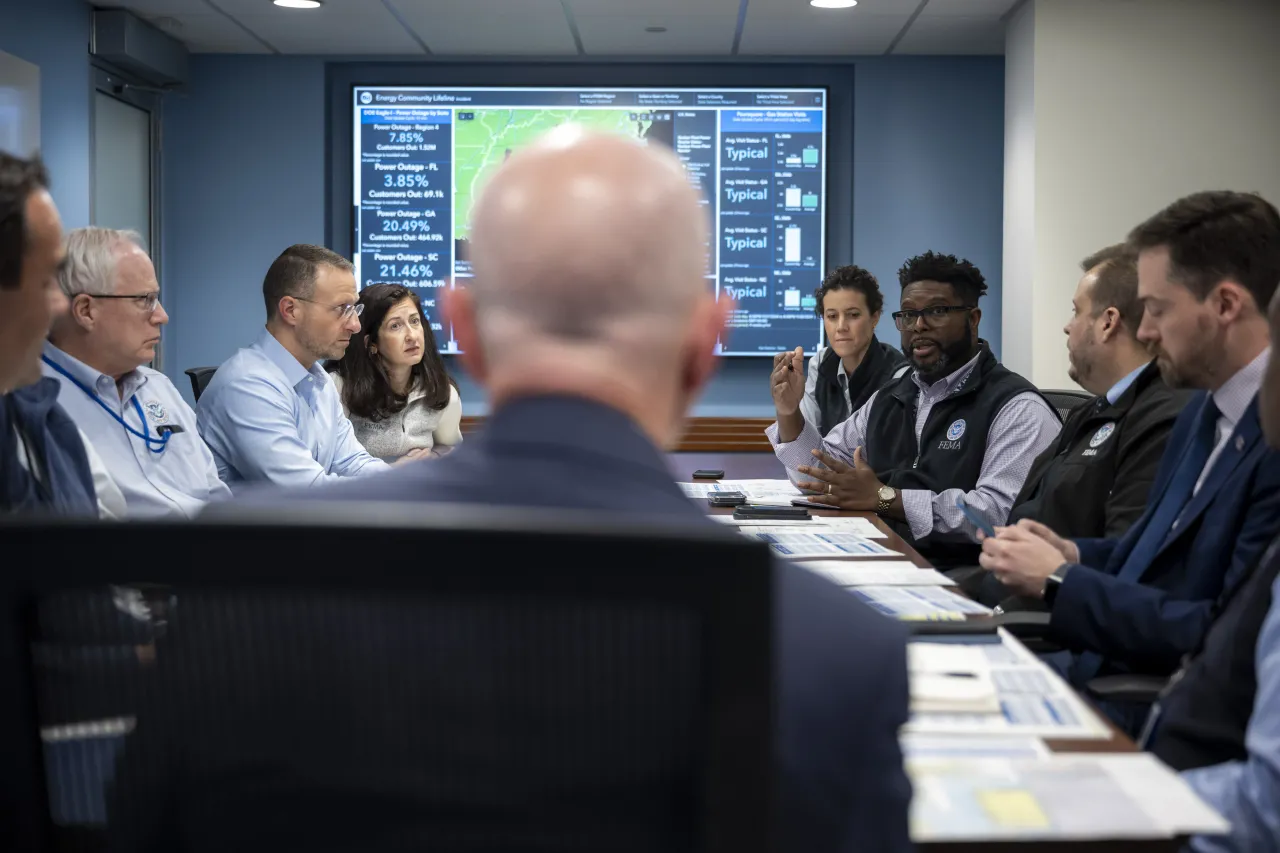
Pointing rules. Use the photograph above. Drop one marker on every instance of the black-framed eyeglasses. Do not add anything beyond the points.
(148, 302)
(345, 311)
(932, 315)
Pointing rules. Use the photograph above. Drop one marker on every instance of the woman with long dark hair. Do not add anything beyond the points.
(392, 380)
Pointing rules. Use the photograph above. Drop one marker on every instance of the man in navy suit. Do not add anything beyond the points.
(1206, 272)
(592, 328)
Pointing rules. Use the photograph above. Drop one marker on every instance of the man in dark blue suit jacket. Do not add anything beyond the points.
(1141, 602)
(590, 325)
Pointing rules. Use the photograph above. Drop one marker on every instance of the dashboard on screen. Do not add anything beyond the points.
(758, 156)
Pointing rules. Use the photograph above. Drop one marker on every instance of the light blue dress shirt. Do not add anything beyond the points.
(1123, 385)
(1247, 793)
(268, 418)
(177, 482)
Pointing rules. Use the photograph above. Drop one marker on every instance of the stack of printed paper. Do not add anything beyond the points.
(1070, 797)
(1032, 700)
(950, 678)
(877, 573)
(919, 602)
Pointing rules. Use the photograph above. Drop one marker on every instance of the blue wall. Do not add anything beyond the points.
(54, 34)
(245, 162)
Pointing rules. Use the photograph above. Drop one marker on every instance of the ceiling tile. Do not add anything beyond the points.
(654, 7)
(953, 35)
(490, 27)
(865, 8)
(686, 34)
(967, 8)
(146, 8)
(335, 33)
(810, 33)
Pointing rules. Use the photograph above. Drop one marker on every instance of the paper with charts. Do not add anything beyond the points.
(1066, 797)
(1031, 699)
(801, 545)
(839, 523)
(919, 602)
(877, 573)
(770, 492)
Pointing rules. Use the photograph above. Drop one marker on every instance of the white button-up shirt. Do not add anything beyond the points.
(176, 482)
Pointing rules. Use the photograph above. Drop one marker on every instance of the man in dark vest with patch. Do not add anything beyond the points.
(1093, 481)
(959, 426)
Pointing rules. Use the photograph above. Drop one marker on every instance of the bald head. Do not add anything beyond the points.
(585, 237)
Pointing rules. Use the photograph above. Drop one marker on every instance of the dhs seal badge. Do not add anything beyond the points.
(1103, 433)
(156, 411)
(954, 433)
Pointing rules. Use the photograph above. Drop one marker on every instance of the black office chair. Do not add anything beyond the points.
(200, 378)
(507, 690)
(1066, 401)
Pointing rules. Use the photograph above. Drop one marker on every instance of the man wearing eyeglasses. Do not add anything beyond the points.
(99, 349)
(271, 412)
(958, 427)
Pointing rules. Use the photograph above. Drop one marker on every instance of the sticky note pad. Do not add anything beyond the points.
(1013, 807)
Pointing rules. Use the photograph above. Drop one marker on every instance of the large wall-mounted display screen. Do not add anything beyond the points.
(758, 155)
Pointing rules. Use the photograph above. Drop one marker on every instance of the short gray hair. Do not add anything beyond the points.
(91, 259)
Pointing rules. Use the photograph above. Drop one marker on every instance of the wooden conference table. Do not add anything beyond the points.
(753, 466)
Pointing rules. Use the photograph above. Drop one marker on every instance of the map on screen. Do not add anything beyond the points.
(422, 155)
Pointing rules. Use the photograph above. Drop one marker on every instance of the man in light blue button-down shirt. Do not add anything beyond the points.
(271, 412)
(132, 415)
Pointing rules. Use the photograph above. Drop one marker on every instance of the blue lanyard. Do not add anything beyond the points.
(145, 435)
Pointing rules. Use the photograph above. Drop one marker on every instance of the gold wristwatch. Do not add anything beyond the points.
(886, 494)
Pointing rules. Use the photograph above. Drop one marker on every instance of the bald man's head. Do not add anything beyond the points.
(589, 247)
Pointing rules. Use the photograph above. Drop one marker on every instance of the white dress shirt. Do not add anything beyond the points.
(178, 481)
(268, 418)
(1232, 399)
(1019, 433)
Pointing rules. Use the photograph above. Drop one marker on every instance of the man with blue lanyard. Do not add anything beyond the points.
(133, 415)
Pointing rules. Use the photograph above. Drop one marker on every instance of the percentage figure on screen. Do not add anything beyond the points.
(396, 226)
(404, 136)
(414, 271)
(403, 180)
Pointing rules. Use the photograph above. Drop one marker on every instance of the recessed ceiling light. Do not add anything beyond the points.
(298, 4)
(655, 29)
(833, 4)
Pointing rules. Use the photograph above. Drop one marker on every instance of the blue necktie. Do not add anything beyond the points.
(1177, 495)
(1174, 500)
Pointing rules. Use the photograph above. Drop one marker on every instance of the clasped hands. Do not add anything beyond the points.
(852, 487)
(1023, 556)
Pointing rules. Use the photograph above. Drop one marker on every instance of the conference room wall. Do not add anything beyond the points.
(245, 159)
(1114, 111)
(53, 34)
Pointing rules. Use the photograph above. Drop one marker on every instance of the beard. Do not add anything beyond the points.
(950, 357)
(1080, 367)
(320, 348)
(1194, 368)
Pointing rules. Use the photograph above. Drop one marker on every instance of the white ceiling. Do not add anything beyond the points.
(702, 28)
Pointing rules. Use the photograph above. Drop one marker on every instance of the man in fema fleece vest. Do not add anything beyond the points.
(957, 426)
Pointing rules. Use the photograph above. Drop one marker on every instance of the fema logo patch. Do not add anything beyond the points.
(157, 412)
(1103, 433)
(956, 430)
